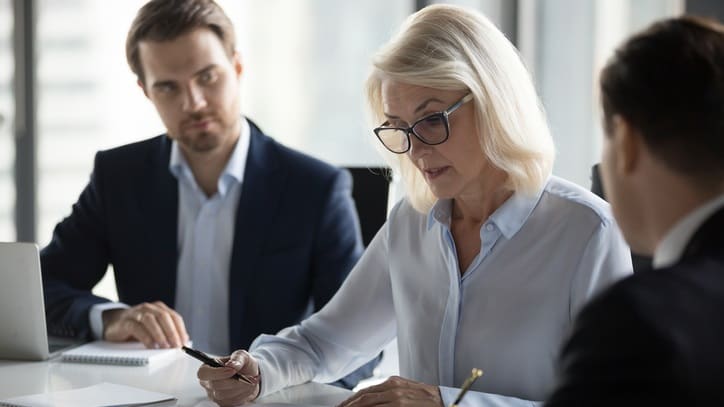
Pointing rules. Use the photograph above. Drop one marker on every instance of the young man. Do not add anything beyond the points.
(215, 231)
(656, 338)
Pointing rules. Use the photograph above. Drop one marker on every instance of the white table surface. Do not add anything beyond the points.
(176, 377)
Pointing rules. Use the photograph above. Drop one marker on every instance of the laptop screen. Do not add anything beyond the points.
(22, 312)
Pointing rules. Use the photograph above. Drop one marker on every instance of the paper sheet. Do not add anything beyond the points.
(98, 395)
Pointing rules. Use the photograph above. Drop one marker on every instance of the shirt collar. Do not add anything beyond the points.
(234, 169)
(508, 218)
(669, 251)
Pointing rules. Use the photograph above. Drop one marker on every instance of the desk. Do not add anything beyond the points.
(176, 377)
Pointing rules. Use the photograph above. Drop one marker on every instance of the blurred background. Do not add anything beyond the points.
(67, 92)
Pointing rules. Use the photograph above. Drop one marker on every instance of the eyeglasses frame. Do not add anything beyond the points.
(411, 129)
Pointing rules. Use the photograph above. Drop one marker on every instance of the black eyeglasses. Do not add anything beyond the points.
(432, 129)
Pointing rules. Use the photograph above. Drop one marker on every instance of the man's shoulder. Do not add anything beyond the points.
(137, 150)
(295, 162)
(657, 331)
(686, 296)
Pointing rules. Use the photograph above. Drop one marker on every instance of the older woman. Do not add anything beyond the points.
(486, 260)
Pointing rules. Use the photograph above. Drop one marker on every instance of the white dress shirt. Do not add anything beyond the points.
(205, 245)
(205, 242)
(672, 246)
(542, 257)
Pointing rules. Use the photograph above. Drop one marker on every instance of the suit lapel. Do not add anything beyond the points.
(260, 193)
(162, 200)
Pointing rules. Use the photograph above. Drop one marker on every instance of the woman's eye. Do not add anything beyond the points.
(433, 121)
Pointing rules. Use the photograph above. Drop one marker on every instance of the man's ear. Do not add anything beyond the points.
(142, 86)
(238, 66)
(627, 143)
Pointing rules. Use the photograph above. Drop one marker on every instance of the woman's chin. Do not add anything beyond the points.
(440, 193)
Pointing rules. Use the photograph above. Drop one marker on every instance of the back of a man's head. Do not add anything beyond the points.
(166, 20)
(668, 83)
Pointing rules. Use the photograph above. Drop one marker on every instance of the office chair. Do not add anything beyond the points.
(640, 263)
(370, 191)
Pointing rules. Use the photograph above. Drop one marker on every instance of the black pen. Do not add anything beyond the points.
(213, 362)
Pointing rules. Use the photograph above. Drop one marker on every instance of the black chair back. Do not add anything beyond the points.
(370, 192)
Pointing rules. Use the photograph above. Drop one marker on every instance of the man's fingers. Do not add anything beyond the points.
(128, 329)
(180, 327)
(168, 327)
(154, 324)
(150, 322)
(139, 333)
(171, 322)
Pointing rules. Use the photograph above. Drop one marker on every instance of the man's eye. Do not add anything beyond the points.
(207, 77)
(165, 88)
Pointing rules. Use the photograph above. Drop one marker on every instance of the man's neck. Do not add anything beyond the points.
(670, 208)
(208, 166)
(673, 244)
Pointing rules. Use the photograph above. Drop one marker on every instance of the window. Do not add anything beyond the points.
(7, 145)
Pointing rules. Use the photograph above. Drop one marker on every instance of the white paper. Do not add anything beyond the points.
(98, 395)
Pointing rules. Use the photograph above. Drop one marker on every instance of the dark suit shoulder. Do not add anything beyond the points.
(304, 165)
(136, 153)
(653, 336)
(301, 173)
(153, 144)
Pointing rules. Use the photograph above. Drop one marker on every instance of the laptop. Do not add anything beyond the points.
(23, 333)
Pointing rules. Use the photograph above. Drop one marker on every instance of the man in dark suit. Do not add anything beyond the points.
(214, 230)
(656, 338)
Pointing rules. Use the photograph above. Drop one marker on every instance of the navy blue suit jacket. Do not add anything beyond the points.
(655, 338)
(296, 238)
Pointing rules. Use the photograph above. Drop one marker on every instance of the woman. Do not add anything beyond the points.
(486, 260)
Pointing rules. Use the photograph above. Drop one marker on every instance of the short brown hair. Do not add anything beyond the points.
(668, 82)
(165, 20)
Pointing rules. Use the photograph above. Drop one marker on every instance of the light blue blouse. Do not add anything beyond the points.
(542, 257)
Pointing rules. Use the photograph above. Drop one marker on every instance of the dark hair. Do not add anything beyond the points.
(668, 83)
(165, 20)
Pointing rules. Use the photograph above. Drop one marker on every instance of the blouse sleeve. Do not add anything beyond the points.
(352, 328)
(605, 260)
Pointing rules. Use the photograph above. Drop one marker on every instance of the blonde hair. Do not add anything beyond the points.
(452, 48)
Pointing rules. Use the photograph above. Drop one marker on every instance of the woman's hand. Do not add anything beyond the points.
(223, 388)
(396, 391)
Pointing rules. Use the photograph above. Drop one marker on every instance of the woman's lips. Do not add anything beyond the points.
(432, 173)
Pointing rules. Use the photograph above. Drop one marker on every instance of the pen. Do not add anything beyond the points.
(466, 386)
(213, 362)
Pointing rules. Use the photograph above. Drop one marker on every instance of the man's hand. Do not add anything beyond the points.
(225, 390)
(396, 391)
(154, 324)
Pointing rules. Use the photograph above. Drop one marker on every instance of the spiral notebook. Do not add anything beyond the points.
(115, 353)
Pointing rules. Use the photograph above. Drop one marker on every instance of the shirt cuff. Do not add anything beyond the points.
(448, 394)
(95, 316)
